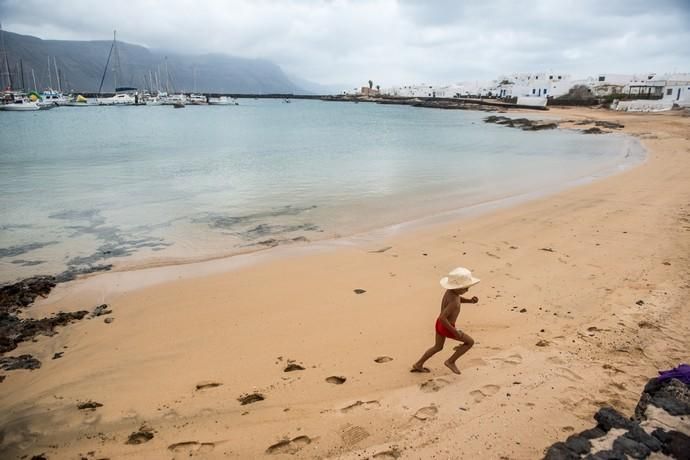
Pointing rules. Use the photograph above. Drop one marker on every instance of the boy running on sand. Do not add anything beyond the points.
(456, 283)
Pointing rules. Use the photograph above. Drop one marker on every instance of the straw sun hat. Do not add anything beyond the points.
(459, 278)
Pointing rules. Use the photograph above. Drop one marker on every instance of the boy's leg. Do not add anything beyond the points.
(467, 343)
(438, 346)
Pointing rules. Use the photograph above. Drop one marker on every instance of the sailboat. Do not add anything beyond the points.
(51, 97)
(12, 100)
(123, 95)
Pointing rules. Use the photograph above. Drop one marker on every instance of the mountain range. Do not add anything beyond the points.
(81, 66)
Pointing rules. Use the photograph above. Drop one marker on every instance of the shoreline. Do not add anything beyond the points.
(240, 328)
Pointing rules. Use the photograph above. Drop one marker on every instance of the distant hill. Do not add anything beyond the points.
(81, 65)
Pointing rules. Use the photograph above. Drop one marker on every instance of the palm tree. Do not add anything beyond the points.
(378, 89)
(371, 83)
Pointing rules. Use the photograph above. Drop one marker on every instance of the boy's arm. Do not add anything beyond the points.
(474, 299)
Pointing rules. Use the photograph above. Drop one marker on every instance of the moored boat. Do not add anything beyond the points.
(20, 105)
(222, 100)
(197, 99)
(80, 101)
(17, 102)
(50, 96)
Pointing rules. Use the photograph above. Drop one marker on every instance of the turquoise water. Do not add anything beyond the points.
(133, 185)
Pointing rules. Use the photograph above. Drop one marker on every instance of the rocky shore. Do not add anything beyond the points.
(526, 124)
(660, 425)
(14, 298)
(488, 105)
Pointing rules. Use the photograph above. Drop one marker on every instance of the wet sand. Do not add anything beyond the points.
(583, 297)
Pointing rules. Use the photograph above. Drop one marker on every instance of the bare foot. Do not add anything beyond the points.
(452, 367)
(418, 368)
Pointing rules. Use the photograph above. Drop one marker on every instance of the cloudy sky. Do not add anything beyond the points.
(392, 42)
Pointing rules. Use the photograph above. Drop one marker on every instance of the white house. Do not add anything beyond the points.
(607, 84)
(455, 90)
(656, 93)
(421, 90)
(677, 89)
(541, 84)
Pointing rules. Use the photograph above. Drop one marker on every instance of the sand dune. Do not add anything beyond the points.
(583, 297)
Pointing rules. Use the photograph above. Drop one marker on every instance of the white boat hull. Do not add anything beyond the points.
(222, 101)
(24, 107)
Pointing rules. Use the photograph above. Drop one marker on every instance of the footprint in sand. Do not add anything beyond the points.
(207, 385)
(289, 446)
(170, 415)
(365, 405)
(292, 367)
(475, 362)
(382, 250)
(484, 392)
(250, 398)
(425, 413)
(336, 380)
(351, 435)
(145, 434)
(513, 359)
(555, 360)
(433, 385)
(392, 454)
(383, 359)
(567, 374)
(191, 447)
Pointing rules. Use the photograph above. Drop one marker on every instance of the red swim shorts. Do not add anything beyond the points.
(442, 330)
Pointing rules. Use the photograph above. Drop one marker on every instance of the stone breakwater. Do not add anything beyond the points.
(660, 428)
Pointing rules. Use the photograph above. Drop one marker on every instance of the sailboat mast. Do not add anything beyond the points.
(50, 75)
(116, 60)
(33, 77)
(6, 63)
(21, 70)
(158, 78)
(57, 74)
(167, 76)
(107, 63)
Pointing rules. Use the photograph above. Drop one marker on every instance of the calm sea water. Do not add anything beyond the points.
(125, 185)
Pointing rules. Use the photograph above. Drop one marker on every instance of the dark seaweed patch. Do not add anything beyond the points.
(116, 242)
(28, 263)
(72, 273)
(74, 214)
(263, 230)
(223, 221)
(14, 251)
(14, 226)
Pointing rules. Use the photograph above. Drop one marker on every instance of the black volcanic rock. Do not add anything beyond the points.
(669, 396)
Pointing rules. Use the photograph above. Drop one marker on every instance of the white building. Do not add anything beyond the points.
(677, 89)
(455, 90)
(656, 93)
(542, 84)
(421, 90)
(612, 83)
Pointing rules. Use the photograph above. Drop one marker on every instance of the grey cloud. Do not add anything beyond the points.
(348, 41)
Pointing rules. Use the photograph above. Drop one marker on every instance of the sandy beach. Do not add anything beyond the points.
(583, 298)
